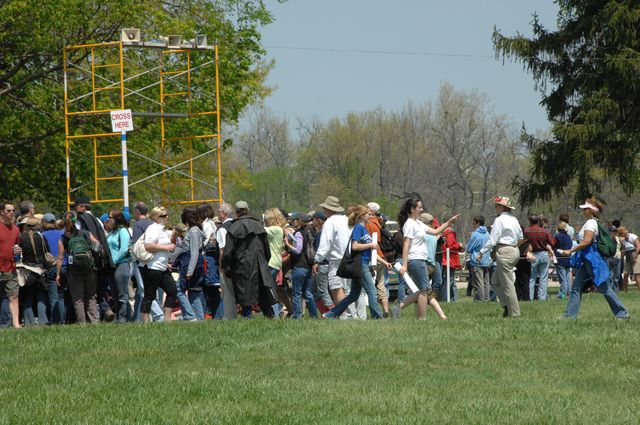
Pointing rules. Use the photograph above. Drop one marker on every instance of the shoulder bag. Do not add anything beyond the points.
(350, 266)
(138, 252)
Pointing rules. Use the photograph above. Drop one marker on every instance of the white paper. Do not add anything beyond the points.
(407, 279)
(374, 252)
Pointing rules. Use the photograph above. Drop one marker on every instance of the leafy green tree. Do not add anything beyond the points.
(34, 34)
(587, 72)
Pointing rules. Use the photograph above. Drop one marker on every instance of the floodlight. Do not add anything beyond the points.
(201, 40)
(174, 42)
(130, 35)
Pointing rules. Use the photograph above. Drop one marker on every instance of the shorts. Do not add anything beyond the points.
(381, 291)
(418, 271)
(629, 267)
(335, 281)
(10, 283)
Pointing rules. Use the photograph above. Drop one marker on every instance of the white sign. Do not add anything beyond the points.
(121, 121)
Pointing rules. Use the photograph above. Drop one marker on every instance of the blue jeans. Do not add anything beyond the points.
(5, 313)
(56, 297)
(453, 288)
(402, 286)
(417, 269)
(120, 291)
(563, 278)
(614, 267)
(539, 269)
(191, 303)
(198, 302)
(356, 287)
(302, 285)
(575, 298)
(35, 292)
(183, 300)
(436, 279)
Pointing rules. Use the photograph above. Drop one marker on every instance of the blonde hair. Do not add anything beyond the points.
(274, 217)
(354, 213)
(156, 212)
(622, 231)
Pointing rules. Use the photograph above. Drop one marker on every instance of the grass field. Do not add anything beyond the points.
(475, 368)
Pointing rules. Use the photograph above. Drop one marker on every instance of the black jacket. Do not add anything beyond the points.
(246, 260)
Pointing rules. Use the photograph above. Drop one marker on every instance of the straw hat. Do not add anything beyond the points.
(504, 201)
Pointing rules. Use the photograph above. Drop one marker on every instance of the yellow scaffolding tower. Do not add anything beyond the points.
(86, 118)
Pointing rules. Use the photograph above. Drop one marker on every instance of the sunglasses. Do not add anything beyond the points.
(163, 216)
(9, 211)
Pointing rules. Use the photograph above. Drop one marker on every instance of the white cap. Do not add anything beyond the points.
(374, 206)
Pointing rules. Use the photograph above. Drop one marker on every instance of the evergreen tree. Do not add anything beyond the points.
(588, 72)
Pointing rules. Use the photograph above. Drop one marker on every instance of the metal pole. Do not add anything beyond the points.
(125, 173)
(448, 275)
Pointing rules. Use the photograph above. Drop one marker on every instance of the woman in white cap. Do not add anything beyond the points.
(503, 243)
(590, 265)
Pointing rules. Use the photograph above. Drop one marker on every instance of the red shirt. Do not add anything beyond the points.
(450, 242)
(9, 236)
(538, 237)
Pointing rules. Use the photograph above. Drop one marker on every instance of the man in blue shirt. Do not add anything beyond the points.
(479, 269)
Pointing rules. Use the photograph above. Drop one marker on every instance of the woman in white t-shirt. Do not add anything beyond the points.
(155, 272)
(631, 248)
(414, 257)
(590, 266)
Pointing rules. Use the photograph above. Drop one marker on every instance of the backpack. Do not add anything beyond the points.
(386, 241)
(398, 243)
(104, 262)
(80, 257)
(605, 243)
(309, 250)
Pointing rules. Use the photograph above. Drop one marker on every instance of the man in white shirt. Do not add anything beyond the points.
(333, 242)
(229, 306)
(505, 236)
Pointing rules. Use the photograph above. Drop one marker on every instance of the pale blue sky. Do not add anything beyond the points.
(325, 84)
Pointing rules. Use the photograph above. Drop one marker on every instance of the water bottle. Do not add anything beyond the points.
(17, 257)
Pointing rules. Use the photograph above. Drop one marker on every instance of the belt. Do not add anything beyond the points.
(500, 245)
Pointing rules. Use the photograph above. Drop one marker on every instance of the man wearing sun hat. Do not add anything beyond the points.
(333, 242)
(503, 242)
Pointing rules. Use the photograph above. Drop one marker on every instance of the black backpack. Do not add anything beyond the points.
(309, 249)
(386, 241)
(398, 243)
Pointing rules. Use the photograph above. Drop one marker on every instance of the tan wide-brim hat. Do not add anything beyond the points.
(426, 218)
(333, 204)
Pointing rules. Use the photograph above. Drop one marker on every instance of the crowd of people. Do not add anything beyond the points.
(330, 263)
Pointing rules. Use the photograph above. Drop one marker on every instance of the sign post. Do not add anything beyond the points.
(122, 121)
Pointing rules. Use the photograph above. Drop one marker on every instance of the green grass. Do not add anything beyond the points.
(476, 368)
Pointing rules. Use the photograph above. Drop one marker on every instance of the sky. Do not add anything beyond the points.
(325, 68)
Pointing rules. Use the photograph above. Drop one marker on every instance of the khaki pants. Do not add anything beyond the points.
(381, 291)
(504, 278)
